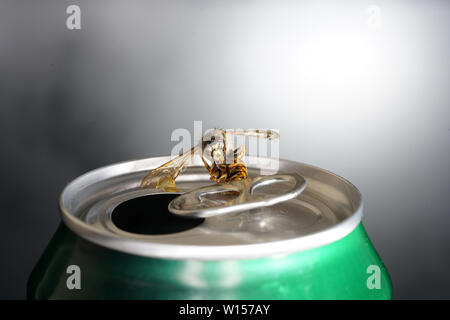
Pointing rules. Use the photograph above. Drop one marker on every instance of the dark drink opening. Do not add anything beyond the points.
(149, 215)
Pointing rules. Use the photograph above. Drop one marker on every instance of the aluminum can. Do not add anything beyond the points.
(118, 241)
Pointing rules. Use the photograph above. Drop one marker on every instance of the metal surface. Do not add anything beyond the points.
(328, 209)
(244, 196)
(334, 271)
(255, 254)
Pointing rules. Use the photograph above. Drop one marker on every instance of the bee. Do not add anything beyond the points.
(223, 162)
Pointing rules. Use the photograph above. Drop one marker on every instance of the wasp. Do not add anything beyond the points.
(223, 162)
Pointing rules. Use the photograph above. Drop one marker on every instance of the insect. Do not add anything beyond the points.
(223, 162)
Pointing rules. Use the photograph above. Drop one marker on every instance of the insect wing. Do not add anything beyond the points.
(260, 133)
(170, 169)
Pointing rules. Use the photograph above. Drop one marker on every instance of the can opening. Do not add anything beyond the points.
(149, 215)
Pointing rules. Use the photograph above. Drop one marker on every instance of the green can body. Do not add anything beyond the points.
(348, 268)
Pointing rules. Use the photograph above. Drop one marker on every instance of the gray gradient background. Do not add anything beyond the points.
(370, 105)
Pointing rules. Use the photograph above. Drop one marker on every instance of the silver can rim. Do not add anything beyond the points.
(214, 252)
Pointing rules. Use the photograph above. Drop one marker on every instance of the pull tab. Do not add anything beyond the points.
(236, 196)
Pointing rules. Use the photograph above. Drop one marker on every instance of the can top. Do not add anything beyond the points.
(237, 196)
(328, 209)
